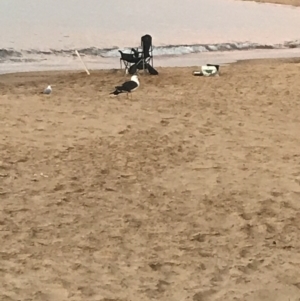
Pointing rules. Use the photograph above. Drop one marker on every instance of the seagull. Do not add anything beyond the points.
(128, 86)
(48, 90)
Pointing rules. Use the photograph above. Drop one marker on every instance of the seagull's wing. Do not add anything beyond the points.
(129, 86)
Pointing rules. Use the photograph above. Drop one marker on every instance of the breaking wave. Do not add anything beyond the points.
(33, 55)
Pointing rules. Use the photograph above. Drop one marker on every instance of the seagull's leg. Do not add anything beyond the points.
(127, 95)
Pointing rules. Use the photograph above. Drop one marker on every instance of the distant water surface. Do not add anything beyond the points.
(53, 24)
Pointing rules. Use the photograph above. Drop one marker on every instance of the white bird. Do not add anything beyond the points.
(128, 86)
(48, 90)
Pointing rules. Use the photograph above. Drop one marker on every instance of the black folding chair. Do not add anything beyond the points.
(128, 59)
(145, 61)
(139, 59)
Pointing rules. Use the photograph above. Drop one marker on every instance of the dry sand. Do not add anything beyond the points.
(189, 191)
(285, 2)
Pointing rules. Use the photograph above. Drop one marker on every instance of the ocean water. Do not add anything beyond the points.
(46, 33)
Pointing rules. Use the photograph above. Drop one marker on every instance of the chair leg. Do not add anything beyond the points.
(125, 67)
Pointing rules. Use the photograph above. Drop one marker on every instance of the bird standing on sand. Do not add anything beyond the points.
(128, 86)
(48, 90)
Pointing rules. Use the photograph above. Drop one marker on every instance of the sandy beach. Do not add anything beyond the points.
(285, 2)
(188, 191)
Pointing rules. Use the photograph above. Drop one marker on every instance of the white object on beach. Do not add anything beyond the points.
(209, 70)
(48, 90)
(85, 68)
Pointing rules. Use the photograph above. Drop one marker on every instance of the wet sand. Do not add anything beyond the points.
(189, 191)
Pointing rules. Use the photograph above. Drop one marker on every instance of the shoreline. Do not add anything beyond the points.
(24, 76)
(42, 75)
(187, 60)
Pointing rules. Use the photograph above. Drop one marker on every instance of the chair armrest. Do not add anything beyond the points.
(136, 52)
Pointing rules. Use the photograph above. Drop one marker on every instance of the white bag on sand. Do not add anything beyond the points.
(209, 70)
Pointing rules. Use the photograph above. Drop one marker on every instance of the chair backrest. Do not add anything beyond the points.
(146, 42)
